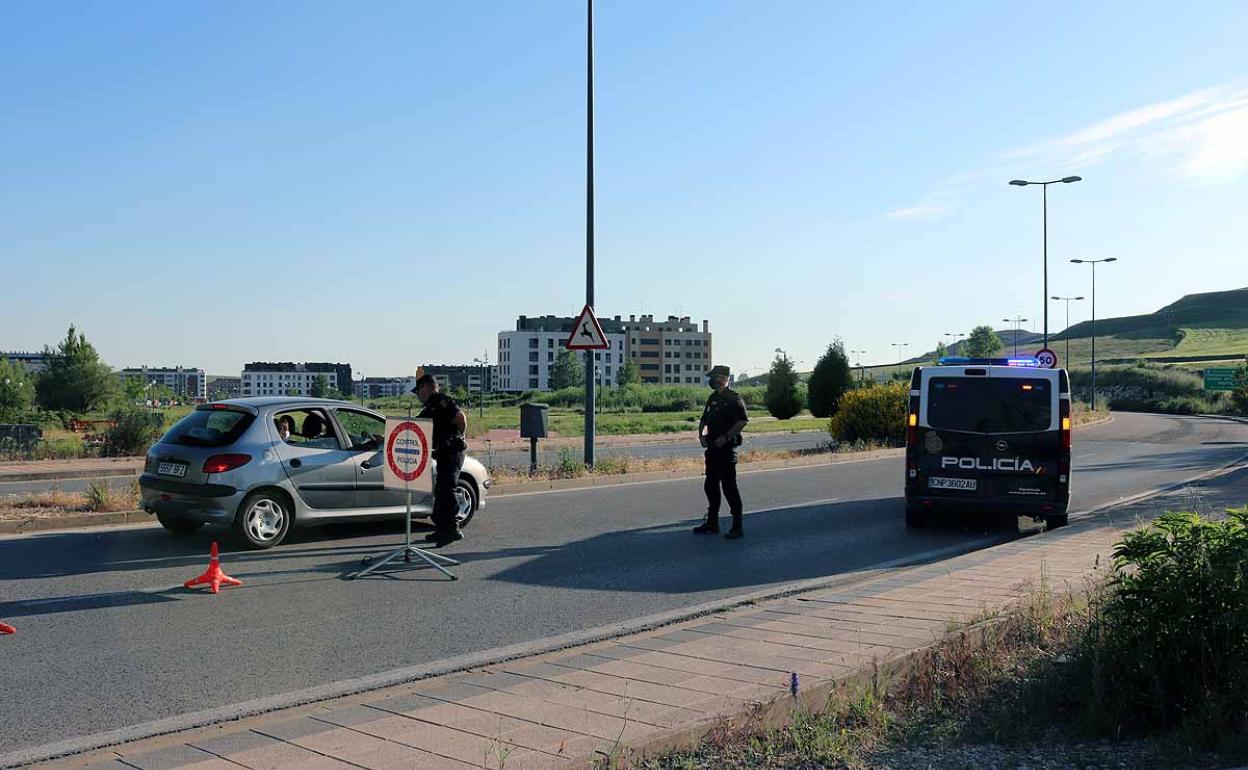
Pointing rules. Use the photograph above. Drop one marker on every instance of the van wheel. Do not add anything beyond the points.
(916, 516)
(1056, 520)
(178, 525)
(263, 520)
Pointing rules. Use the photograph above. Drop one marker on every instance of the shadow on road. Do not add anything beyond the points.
(781, 545)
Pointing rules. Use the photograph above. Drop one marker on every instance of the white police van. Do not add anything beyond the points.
(991, 435)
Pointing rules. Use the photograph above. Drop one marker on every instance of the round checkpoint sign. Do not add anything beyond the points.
(1047, 358)
(407, 451)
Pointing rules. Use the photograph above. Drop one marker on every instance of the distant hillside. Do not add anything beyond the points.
(1212, 310)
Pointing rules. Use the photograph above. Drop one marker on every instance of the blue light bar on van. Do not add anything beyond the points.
(962, 361)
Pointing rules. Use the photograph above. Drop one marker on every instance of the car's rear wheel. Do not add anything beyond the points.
(916, 515)
(1056, 520)
(263, 520)
(178, 525)
(465, 502)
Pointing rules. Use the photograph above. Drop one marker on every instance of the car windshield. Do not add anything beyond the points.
(208, 428)
(989, 405)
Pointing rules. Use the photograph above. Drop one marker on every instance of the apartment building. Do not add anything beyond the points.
(385, 387)
(462, 376)
(527, 354)
(287, 378)
(673, 352)
(31, 362)
(188, 382)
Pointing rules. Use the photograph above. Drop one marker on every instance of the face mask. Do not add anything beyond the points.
(713, 385)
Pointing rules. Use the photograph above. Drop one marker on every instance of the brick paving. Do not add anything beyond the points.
(656, 690)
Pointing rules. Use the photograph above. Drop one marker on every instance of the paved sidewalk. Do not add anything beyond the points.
(666, 688)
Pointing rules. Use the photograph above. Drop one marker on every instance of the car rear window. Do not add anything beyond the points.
(209, 428)
(989, 405)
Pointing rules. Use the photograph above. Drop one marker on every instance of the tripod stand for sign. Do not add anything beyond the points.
(408, 551)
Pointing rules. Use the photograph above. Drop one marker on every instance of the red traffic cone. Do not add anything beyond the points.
(214, 577)
(5, 628)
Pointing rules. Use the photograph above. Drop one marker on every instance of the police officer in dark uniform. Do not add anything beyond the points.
(723, 419)
(449, 445)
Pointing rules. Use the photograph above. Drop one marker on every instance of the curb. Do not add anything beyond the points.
(781, 708)
(123, 470)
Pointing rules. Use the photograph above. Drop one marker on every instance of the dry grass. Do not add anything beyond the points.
(99, 497)
(568, 463)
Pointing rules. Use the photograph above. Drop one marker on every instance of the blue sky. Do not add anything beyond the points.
(391, 184)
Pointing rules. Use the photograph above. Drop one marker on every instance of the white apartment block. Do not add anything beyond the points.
(184, 381)
(671, 352)
(527, 356)
(386, 387)
(296, 382)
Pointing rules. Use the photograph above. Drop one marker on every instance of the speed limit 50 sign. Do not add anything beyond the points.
(1047, 358)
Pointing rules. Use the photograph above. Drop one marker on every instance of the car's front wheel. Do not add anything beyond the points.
(263, 520)
(465, 502)
(178, 525)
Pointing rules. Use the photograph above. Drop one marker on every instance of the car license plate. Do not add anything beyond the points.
(171, 469)
(937, 482)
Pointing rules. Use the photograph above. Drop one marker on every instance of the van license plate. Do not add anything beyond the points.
(171, 469)
(941, 483)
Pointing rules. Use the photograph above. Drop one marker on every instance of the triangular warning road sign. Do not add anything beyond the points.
(587, 333)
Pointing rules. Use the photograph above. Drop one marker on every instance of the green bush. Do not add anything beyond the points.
(783, 397)
(829, 380)
(1170, 646)
(133, 432)
(872, 414)
(1239, 396)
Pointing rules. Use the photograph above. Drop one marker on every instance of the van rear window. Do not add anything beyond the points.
(989, 405)
(208, 428)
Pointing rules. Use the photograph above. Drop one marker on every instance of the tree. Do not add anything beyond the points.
(783, 399)
(133, 388)
(1239, 396)
(16, 391)
(941, 351)
(320, 385)
(568, 372)
(75, 378)
(628, 374)
(829, 380)
(983, 342)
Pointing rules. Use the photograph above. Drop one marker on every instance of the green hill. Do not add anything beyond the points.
(1196, 326)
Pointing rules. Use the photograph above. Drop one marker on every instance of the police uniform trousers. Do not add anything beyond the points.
(445, 480)
(721, 471)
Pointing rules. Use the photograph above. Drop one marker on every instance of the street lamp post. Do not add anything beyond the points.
(1017, 323)
(1093, 263)
(900, 347)
(1067, 300)
(861, 372)
(957, 339)
(481, 385)
(1045, 215)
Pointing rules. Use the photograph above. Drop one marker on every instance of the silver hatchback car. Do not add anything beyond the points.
(262, 465)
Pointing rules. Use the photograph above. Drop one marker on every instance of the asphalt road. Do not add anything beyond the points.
(108, 638)
(510, 458)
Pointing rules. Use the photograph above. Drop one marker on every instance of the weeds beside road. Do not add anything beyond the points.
(1146, 668)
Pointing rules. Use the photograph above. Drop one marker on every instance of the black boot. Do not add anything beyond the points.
(737, 532)
(708, 526)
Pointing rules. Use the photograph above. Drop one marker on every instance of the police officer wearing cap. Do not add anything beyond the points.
(723, 419)
(449, 445)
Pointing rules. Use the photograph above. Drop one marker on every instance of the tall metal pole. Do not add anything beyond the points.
(1094, 336)
(589, 226)
(1045, 217)
(1067, 332)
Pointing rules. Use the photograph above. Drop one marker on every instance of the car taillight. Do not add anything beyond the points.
(912, 422)
(1064, 413)
(223, 463)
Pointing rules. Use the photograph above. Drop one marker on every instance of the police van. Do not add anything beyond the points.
(990, 435)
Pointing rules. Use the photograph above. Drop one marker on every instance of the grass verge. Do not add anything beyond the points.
(98, 497)
(1143, 669)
